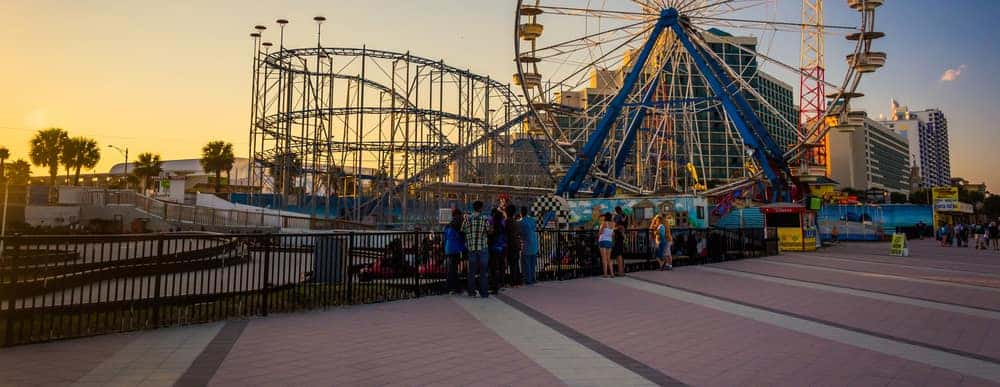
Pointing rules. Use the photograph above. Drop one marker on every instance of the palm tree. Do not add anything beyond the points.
(18, 172)
(46, 147)
(4, 155)
(146, 166)
(281, 163)
(217, 156)
(80, 152)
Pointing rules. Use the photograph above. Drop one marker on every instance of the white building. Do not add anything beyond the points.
(926, 132)
(873, 157)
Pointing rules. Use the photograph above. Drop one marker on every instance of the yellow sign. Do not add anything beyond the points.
(947, 193)
(790, 239)
(899, 245)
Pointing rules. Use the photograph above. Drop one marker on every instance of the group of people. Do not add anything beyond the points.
(984, 236)
(498, 245)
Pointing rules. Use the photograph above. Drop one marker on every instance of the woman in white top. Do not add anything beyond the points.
(605, 241)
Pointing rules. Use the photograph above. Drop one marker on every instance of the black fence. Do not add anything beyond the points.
(73, 286)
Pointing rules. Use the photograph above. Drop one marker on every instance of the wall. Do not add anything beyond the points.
(51, 215)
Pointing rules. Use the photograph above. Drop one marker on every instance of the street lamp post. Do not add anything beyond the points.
(124, 152)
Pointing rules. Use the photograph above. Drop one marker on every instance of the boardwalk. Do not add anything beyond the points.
(847, 315)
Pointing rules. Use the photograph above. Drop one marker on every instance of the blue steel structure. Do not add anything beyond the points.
(764, 149)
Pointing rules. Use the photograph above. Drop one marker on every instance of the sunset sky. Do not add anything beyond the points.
(169, 76)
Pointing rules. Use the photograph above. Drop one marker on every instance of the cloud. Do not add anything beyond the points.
(952, 74)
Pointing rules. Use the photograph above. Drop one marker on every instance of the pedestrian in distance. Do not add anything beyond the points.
(454, 247)
(529, 242)
(664, 238)
(513, 252)
(993, 233)
(498, 245)
(475, 228)
(605, 241)
(618, 249)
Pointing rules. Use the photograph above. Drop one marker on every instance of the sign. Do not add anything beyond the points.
(790, 239)
(952, 206)
(899, 248)
(444, 215)
(944, 193)
(809, 241)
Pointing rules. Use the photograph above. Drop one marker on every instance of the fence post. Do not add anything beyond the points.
(11, 299)
(419, 256)
(350, 261)
(559, 255)
(266, 275)
(159, 275)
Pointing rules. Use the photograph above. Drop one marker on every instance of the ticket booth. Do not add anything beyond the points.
(795, 224)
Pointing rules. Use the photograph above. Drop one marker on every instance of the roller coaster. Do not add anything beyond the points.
(608, 101)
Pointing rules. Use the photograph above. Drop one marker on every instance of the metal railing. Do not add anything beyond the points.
(208, 216)
(55, 287)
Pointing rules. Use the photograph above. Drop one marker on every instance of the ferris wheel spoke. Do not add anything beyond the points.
(593, 12)
(777, 23)
(769, 59)
(594, 64)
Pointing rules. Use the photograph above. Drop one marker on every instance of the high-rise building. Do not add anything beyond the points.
(872, 157)
(926, 133)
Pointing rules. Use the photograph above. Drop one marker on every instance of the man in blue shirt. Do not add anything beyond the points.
(529, 238)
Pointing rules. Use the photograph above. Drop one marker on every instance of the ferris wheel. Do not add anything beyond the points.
(670, 96)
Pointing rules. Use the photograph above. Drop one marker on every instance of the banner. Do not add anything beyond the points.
(790, 239)
(944, 193)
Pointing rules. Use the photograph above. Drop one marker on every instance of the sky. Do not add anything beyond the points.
(169, 76)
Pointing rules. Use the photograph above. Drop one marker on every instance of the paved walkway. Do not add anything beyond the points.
(848, 315)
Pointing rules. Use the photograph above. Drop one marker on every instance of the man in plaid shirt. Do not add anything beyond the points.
(474, 228)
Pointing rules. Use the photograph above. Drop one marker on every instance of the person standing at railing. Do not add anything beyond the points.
(474, 227)
(454, 246)
(529, 240)
(497, 232)
(605, 241)
(618, 249)
(513, 252)
(663, 240)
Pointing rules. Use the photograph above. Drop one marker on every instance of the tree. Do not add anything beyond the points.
(4, 155)
(217, 156)
(146, 166)
(46, 147)
(991, 206)
(920, 196)
(18, 172)
(281, 163)
(80, 152)
(897, 197)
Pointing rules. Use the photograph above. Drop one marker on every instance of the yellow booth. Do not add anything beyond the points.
(796, 225)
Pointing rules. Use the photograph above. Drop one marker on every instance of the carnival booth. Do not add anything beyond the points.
(795, 225)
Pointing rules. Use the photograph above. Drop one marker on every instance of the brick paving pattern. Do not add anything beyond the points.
(976, 335)
(705, 347)
(597, 332)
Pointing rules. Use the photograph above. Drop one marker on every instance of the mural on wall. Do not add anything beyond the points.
(682, 211)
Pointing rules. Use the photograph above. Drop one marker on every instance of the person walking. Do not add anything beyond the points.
(605, 241)
(618, 248)
(475, 227)
(454, 247)
(993, 233)
(529, 243)
(513, 252)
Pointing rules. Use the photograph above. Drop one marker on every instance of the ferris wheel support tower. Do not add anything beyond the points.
(812, 92)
